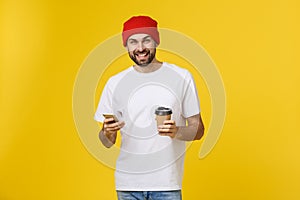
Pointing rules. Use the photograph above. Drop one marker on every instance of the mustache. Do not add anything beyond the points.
(141, 52)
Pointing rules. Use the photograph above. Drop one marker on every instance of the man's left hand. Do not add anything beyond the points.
(169, 128)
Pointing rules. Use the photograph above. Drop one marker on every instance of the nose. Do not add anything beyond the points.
(140, 46)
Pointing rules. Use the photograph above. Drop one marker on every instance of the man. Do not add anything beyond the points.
(150, 163)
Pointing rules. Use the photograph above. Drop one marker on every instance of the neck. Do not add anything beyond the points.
(153, 66)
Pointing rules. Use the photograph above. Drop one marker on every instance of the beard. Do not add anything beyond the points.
(142, 62)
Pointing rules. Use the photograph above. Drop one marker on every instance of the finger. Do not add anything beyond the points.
(167, 126)
(118, 125)
(169, 131)
(115, 126)
(171, 127)
(105, 126)
(121, 124)
(109, 120)
(169, 122)
(111, 125)
(166, 130)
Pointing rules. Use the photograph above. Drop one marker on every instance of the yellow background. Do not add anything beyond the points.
(255, 45)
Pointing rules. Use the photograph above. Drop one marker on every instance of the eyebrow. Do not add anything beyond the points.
(144, 38)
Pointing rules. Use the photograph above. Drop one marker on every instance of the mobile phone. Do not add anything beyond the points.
(109, 115)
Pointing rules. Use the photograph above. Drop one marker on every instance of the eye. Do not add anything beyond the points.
(147, 41)
(133, 42)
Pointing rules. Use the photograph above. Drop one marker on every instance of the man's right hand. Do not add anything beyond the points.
(109, 130)
(111, 127)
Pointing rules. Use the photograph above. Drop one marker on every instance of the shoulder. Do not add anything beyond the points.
(184, 73)
(113, 80)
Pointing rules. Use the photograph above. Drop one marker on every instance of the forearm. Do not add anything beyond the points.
(189, 133)
(107, 141)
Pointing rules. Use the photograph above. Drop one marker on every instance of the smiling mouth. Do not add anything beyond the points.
(141, 55)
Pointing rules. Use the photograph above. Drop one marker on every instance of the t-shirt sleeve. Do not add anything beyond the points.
(105, 103)
(190, 102)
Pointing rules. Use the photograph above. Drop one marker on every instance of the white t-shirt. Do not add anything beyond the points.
(148, 161)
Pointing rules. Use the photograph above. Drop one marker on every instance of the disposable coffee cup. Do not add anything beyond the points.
(162, 114)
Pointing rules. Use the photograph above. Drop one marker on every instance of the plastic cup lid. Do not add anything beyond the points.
(163, 111)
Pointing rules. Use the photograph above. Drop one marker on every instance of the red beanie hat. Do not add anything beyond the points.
(140, 24)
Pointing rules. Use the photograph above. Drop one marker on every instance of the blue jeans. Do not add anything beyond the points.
(151, 195)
